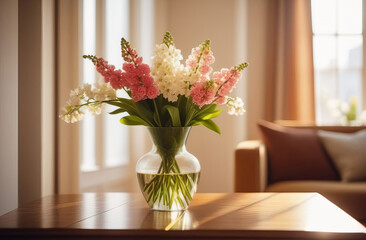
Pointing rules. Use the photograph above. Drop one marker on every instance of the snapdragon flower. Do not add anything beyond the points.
(216, 90)
(167, 70)
(136, 75)
(89, 98)
(198, 62)
(70, 116)
(235, 106)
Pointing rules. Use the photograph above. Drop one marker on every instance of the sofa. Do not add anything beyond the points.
(293, 157)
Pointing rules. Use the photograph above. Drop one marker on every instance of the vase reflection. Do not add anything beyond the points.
(182, 220)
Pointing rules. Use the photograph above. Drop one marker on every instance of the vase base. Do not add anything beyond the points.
(168, 192)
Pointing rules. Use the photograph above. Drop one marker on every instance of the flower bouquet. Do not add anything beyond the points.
(168, 98)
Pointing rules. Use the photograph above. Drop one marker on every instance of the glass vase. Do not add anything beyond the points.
(168, 175)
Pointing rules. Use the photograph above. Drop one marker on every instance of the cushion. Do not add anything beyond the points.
(295, 154)
(348, 152)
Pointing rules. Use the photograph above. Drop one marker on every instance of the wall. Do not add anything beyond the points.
(257, 22)
(8, 105)
(223, 22)
(30, 76)
(27, 106)
(48, 110)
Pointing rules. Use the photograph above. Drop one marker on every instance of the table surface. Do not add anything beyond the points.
(211, 215)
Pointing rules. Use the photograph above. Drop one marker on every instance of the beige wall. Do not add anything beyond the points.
(68, 62)
(256, 71)
(48, 110)
(8, 105)
(27, 106)
(29, 100)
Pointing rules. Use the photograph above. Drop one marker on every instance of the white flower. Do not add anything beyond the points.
(75, 96)
(235, 106)
(95, 108)
(87, 90)
(170, 75)
(88, 97)
(71, 116)
(103, 91)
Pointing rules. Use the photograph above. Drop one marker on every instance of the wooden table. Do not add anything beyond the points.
(210, 216)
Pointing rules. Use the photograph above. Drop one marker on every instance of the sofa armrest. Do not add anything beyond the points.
(250, 167)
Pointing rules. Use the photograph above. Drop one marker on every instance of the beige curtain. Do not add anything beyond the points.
(289, 92)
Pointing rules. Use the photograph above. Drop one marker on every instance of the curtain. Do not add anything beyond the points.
(289, 92)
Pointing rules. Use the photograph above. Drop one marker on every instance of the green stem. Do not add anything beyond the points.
(77, 107)
(157, 113)
(189, 116)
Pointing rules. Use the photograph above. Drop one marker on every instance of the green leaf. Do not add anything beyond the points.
(189, 104)
(211, 125)
(174, 114)
(156, 118)
(133, 120)
(119, 110)
(138, 109)
(195, 123)
(114, 103)
(181, 105)
(205, 110)
(201, 113)
(126, 104)
(144, 111)
(211, 115)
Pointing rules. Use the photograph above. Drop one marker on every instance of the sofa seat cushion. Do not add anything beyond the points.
(351, 196)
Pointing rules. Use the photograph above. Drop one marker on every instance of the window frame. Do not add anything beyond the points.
(100, 177)
(337, 69)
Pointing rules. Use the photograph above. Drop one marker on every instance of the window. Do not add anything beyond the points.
(338, 58)
(98, 156)
(104, 141)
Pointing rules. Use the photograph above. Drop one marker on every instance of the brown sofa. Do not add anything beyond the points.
(252, 174)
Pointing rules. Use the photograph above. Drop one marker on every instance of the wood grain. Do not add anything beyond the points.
(213, 216)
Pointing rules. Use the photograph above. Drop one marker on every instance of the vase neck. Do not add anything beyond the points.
(169, 139)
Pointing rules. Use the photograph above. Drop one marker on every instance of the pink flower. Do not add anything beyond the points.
(191, 63)
(216, 76)
(148, 81)
(220, 100)
(114, 77)
(209, 59)
(196, 51)
(203, 78)
(205, 69)
(138, 93)
(137, 76)
(203, 93)
(152, 92)
(132, 80)
(200, 59)
(116, 80)
(128, 67)
(138, 60)
(142, 69)
(226, 81)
